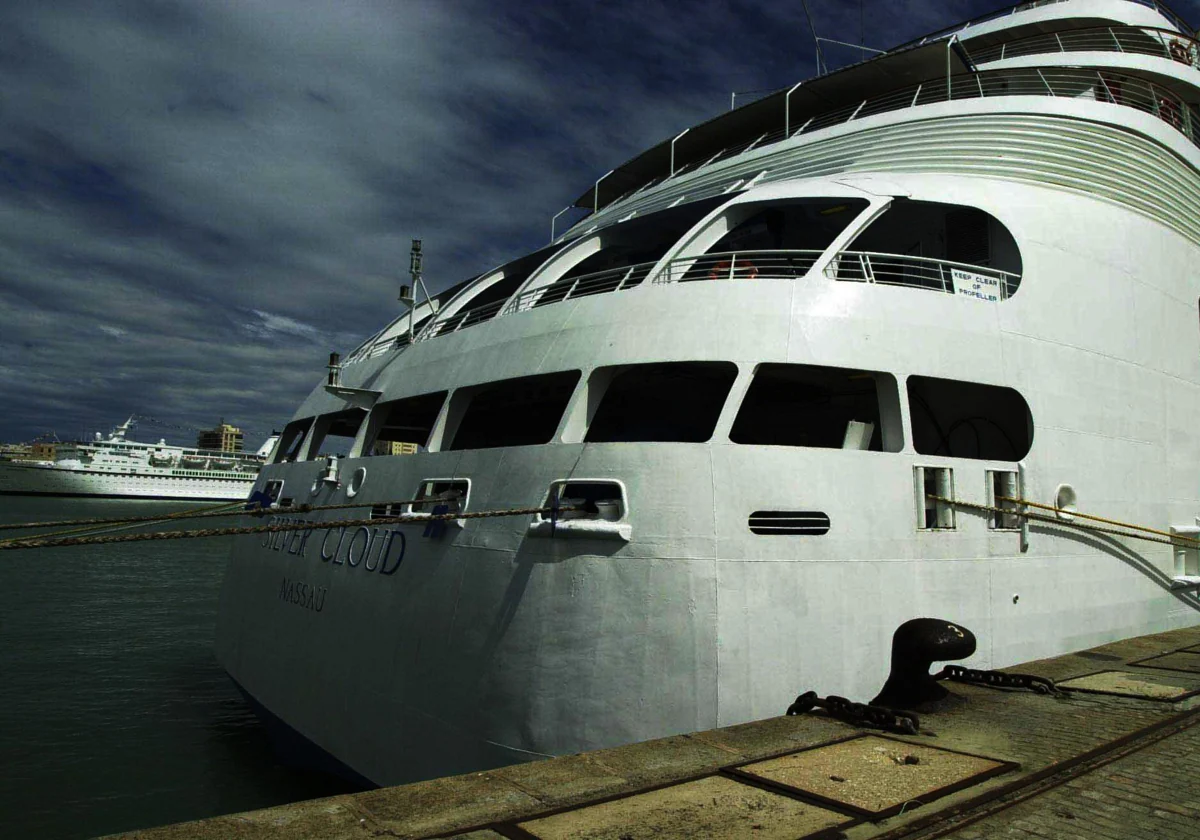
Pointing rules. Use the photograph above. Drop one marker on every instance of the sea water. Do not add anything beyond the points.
(114, 713)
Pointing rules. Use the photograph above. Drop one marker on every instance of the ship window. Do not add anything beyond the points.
(921, 235)
(968, 420)
(409, 420)
(626, 255)
(334, 434)
(780, 239)
(821, 407)
(806, 224)
(676, 401)
(291, 440)
(514, 412)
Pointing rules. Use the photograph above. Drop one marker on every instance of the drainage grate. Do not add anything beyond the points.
(789, 522)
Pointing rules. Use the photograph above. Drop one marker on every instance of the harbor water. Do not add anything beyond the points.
(114, 713)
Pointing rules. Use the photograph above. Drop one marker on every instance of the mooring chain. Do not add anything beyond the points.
(890, 720)
(1000, 679)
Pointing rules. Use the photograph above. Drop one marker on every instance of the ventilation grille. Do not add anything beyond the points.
(811, 523)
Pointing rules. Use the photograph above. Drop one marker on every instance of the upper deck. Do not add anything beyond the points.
(1046, 92)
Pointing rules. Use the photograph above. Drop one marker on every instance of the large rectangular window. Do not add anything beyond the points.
(334, 433)
(968, 419)
(821, 407)
(676, 401)
(409, 420)
(514, 412)
(288, 448)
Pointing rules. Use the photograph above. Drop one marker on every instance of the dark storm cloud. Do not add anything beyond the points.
(199, 200)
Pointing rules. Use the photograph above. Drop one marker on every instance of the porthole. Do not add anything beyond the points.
(1065, 500)
(356, 482)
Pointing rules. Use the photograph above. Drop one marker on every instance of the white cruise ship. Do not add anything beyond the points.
(964, 266)
(118, 467)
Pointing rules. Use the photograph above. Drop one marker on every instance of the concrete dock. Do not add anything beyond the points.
(1114, 758)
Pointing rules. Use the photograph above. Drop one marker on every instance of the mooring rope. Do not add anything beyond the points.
(201, 513)
(1173, 539)
(60, 542)
(1116, 522)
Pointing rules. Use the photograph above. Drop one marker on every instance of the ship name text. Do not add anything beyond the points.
(371, 549)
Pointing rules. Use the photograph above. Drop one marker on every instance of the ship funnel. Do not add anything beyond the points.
(916, 645)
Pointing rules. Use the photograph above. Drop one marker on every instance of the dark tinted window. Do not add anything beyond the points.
(968, 420)
(514, 412)
(678, 401)
(409, 420)
(805, 405)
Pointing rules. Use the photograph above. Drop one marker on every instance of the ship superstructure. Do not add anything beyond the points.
(777, 342)
(115, 466)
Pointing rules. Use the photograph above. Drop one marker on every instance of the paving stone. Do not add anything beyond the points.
(714, 807)
(873, 773)
(1130, 684)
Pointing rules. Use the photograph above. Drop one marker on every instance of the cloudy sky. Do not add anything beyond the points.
(199, 199)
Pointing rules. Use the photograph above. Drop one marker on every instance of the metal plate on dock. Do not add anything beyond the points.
(710, 807)
(1128, 684)
(1178, 661)
(873, 776)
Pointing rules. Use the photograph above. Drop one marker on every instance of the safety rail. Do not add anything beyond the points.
(1161, 8)
(1135, 40)
(595, 283)
(1063, 82)
(740, 265)
(966, 279)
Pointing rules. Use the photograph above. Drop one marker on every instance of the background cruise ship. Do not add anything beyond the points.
(963, 269)
(118, 467)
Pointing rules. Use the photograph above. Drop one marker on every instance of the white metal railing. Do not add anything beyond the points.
(1161, 8)
(965, 279)
(595, 283)
(1065, 82)
(740, 265)
(1162, 43)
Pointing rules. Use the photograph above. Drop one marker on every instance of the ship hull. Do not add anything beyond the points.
(27, 480)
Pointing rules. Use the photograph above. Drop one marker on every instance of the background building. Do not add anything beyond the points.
(395, 447)
(223, 438)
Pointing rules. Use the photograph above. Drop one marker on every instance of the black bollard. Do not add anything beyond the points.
(916, 645)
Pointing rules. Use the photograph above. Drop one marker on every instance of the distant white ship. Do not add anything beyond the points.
(117, 467)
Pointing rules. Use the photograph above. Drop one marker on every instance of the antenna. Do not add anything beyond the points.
(820, 55)
(414, 271)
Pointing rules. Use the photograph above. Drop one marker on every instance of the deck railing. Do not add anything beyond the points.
(976, 281)
(740, 265)
(947, 276)
(1161, 8)
(1162, 43)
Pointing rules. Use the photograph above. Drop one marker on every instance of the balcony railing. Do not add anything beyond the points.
(964, 279)
(955, 278)
(740, 265)
(1161, 43)
(1064, 82)
(1161, 8)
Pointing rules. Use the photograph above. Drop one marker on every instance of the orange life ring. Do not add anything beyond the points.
(744, 269)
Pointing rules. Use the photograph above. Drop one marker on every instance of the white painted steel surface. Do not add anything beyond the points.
(496, 642)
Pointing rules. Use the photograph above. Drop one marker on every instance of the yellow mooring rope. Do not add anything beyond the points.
(1172, 539)
(59, 542)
